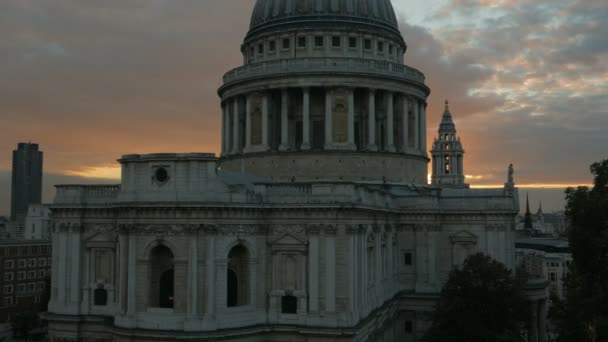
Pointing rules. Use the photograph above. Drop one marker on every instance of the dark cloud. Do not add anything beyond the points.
(92, 80)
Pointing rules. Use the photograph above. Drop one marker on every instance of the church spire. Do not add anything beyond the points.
(528, 215)
(447, 154)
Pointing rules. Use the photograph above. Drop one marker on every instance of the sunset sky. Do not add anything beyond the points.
(92, 80)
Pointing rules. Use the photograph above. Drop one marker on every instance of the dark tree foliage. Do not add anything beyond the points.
(23, 323)
(482, 302)
(583, 315)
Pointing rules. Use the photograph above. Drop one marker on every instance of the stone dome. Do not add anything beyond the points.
(375, 12)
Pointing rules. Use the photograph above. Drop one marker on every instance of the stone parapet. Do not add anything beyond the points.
(330, 65)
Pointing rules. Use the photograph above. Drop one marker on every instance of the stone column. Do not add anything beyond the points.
(235, 126)
(228, 130)
(75, 269)
(306, 119)
(193, 276)
(329, 133)
(132, 291)
(423, 127)
(406, 137)
(247, 122)
(210, 275)
(330, 269)
(371, 115)
(390, 142)
(124, 273)
(284, 121)
(313, 270)
(353, 268)
(224, 123)
(62, 269)
(265, 144)
(351, 119)
(416, 130)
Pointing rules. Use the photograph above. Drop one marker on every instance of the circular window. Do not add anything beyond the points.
(161, 175)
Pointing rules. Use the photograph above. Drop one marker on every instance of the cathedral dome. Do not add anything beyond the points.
(371, 12)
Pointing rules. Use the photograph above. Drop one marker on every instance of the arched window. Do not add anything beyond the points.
(100, 297)
(161, 278)
(237, 277)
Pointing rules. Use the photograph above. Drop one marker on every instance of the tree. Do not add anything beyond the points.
(583, 314)
(22, 323)
(482, 302)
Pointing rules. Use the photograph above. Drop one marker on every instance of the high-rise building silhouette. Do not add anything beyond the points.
(27, 180)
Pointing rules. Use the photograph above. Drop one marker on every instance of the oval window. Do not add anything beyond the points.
(161, 175)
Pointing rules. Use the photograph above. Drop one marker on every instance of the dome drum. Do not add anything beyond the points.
(325, 120)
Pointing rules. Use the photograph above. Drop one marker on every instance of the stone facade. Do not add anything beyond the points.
(315, 224)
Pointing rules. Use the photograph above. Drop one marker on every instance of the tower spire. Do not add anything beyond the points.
(447, 153)
(528, 215)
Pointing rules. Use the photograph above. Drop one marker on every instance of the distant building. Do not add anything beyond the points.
(4, 222)
(548, 259)
(37, 222)
(24, 268)
(541, 224)
(26, 184)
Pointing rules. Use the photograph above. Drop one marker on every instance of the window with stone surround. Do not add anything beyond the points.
(286, 43)
(352, 42)
(237, 277)
(302, 41)
(336, 41)
(367, 44)
(161, 278)
(8, 289)
(409, 327)
(319, 41)
(9, 264)
(9, 276)
(407, 259)
(289, 305)
(100, 297)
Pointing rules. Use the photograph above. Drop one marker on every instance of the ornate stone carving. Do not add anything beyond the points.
(313, 230)
(106, 228)
(297, 229)
(238, 230)
(330, 230)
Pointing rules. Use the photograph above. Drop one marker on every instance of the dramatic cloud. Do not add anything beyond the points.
(92, 80)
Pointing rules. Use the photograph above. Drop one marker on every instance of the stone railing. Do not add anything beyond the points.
(86, 194)
(324, 65)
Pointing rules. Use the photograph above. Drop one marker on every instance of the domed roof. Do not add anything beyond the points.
(270, 12)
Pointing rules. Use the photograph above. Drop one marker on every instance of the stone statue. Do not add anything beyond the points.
(511, 172)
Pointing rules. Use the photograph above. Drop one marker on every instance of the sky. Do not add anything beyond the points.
(93, 80)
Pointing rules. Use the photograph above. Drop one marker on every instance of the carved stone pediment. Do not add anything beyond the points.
(288, 242)
(101, 240)
(464, 238)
